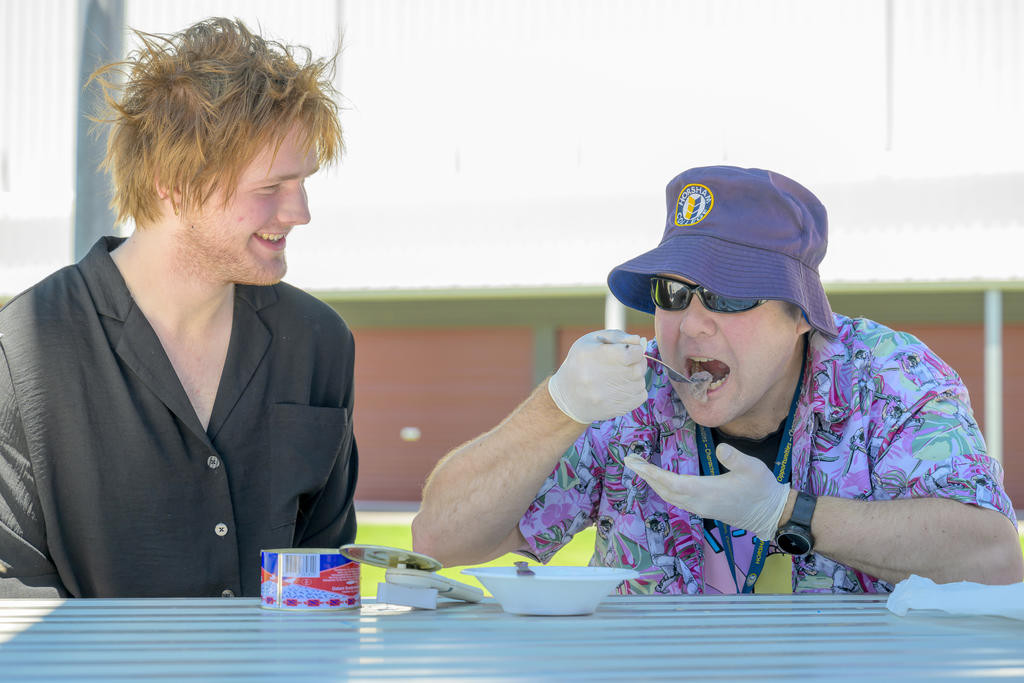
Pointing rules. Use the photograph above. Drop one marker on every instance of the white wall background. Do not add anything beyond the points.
(498, 143)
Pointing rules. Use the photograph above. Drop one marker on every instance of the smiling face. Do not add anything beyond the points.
(243, 241)
(754, 358)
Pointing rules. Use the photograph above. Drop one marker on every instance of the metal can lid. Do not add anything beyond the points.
(384, 556)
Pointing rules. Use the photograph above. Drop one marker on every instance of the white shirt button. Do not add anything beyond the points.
(221, 529)
(213, 462)
(227, 593)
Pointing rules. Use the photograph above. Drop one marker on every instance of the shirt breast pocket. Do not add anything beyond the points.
(306, 444)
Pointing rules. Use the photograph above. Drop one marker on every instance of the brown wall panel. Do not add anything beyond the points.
(450, 384)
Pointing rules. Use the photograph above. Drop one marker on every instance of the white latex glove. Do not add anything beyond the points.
(602, 377)
(746, 497)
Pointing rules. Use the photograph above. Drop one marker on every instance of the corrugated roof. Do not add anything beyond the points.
(939, 230)
(511, 145)
(882, 232)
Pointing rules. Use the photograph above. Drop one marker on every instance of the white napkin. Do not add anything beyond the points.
(963, 597)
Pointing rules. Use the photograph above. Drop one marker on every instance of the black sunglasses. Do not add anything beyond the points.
(673, 295)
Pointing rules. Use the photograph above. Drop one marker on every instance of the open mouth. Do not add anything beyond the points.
(718, 370)
(272, 239)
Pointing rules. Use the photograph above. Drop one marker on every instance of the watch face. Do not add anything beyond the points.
(793, 541)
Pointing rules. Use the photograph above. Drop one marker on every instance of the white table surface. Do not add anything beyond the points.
(798, 638)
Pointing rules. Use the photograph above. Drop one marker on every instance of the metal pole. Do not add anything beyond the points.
(545, 352)
(100, 25)
(994, 373)
(614, 313)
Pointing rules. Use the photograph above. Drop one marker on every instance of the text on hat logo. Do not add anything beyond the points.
(694, 204)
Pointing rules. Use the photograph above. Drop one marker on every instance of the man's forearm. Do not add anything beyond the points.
(941, 539)
(476, 495)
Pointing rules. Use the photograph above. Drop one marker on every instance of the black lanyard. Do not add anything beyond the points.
(782, 471)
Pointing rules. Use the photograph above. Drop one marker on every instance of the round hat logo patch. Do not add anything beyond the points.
(693, 205)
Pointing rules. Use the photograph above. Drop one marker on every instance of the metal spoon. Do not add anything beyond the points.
(673, 374)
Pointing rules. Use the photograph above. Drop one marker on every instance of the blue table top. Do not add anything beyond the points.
(802, 637)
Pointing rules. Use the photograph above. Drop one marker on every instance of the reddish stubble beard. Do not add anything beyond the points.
(208, 252)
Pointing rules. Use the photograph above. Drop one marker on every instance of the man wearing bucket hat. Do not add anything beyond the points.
(819, 453)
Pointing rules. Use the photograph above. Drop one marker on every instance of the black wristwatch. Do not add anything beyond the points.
(794, 537)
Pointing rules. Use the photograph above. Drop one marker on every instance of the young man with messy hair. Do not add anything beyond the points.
(168, 406)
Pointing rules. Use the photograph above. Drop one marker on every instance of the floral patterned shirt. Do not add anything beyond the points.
(880, 417)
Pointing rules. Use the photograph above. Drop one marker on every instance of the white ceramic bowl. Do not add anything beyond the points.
(552, 590)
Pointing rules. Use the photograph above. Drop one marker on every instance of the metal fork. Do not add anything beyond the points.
(673, 374)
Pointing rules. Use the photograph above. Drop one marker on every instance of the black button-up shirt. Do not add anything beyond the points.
(110, 486)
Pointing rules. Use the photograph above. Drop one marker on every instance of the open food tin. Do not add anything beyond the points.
(308, 579)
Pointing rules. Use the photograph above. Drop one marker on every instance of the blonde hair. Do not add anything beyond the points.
(195, 107)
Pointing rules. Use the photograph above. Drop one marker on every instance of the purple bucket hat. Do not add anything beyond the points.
(741, 232)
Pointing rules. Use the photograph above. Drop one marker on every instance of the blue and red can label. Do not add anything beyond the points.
(308, 579)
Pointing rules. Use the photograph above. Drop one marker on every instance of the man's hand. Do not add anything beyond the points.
(746, 497)
(602, 377)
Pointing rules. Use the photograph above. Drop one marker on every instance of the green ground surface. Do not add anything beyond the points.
(576, 553)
